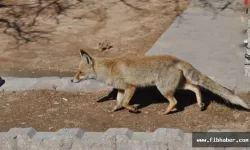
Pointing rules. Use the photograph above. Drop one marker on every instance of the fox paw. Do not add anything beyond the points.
(110, 111)
(202, 106)
(163, 112)
(167, 112)
(134, 109)
(116, 107)
(174, 109)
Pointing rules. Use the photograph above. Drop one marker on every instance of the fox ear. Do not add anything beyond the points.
(86, 56)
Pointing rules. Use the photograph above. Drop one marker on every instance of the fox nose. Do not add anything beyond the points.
(75, 80)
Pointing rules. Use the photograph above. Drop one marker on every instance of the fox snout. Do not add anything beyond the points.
(77, 78)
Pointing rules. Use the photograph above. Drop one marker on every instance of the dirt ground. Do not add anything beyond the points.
(47, 110)
(47, 34)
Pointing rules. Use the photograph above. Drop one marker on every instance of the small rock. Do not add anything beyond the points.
(52, 109)
(65, 99)
(56, 103)
(40, 116)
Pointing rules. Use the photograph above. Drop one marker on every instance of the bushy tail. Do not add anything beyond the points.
(197, 78)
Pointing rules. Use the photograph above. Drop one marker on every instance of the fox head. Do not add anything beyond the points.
(86, 68)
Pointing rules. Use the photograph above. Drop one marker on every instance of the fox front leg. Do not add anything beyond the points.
(129, 92)
(123, 99)
(119, 98)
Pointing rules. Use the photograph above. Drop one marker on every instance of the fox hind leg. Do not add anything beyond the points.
(172, 102)
(171, 80)
(168, 92)
(197, 92)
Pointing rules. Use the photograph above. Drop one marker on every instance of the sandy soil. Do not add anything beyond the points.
(47, 34)
(47, 110)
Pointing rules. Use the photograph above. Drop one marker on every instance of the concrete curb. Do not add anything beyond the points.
(52, 83)
(112, 139)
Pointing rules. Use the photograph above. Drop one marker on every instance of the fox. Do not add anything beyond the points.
(166, 72)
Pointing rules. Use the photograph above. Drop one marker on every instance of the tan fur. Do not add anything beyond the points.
(166, 72)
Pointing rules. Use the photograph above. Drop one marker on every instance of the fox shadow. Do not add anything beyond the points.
(151, 95)
(2, 82)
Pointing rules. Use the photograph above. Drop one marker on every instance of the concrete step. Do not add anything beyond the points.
(112, 139)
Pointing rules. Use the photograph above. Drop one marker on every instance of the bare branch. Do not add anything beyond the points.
(20, 19)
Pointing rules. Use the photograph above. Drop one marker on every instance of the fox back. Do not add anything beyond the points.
(139, 72)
